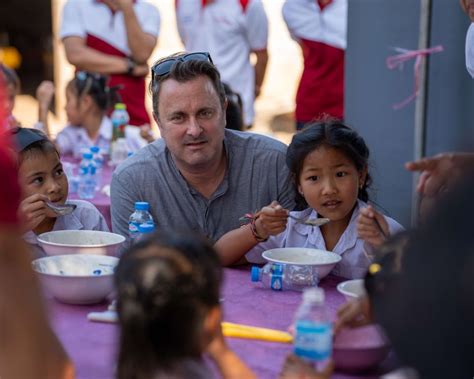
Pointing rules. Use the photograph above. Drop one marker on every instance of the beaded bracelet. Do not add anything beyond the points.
(251, 218)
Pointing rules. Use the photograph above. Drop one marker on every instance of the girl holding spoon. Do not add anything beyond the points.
(328, 162)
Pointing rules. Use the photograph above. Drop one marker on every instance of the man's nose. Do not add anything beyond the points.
(194, 129)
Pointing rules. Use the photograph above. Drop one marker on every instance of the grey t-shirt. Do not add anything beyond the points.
(256, 175)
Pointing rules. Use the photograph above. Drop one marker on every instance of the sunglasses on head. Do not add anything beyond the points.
(164, 67)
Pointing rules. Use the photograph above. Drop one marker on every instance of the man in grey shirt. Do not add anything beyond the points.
(199, 176)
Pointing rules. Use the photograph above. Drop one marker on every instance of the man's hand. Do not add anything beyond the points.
(141, 70)
(272, 220)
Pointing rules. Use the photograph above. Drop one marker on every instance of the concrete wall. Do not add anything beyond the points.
(374, 28)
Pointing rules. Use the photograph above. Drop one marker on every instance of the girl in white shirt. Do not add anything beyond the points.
(329, 165)
(88, 98)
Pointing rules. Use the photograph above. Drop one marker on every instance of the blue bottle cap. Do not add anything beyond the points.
(94, 149)
(142, 206)
(146, 228)
(255, 274)
(87, 155)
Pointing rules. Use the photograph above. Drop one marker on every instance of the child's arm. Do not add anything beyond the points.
(368, 226)
(44, 95)
(228, 363)
(232, 246)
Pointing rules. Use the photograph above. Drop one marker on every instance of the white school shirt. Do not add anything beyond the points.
(356, 254)
(470, 50)
(229, 30)
(85, 217)
(74, 139)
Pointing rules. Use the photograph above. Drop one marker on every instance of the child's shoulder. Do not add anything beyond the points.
(88, 215)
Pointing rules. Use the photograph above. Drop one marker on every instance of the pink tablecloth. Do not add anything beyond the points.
(92, 345)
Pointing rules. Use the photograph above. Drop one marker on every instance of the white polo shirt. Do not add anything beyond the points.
(305, 20)
(105, 31)
(470, 50)
(229, 30)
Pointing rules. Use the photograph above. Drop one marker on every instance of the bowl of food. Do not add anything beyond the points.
(62, 242)
(321, 261)
(352, 289)
(77, 279)
(359, 349)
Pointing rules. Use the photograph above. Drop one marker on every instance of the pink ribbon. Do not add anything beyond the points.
(398, 60)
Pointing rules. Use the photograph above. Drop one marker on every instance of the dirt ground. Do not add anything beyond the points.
(274, 107)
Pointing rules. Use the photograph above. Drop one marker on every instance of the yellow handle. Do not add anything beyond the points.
(244, 331)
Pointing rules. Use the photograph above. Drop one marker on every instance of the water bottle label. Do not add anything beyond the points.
(313, 340)
(276, 282)
(133, 229)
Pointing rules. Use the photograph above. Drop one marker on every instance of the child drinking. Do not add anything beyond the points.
(168, 306)
(329, 165)
(43, 179)
(87, 101)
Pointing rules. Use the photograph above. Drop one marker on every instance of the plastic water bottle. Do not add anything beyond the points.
(99, 162)
(280, 277)
(87, 177)
(140, 216)
(144, 230)
(118, 146)
(313, 328)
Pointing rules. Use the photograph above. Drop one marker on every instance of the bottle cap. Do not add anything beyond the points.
(255, 274)
(120, 106)
(94, 149)
(146, 228)
(87, 155)
(142, 206)
(313, 294)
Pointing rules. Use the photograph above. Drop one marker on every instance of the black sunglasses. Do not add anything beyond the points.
(164, 67)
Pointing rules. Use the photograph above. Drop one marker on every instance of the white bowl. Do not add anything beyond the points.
(77, 279)
(63, 242)
(322, 261)
(352, 289)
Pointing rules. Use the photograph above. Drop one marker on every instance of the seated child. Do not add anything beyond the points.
(87, 101)
(329, 165)
(169, 313)
(12, 86)
(43, 179)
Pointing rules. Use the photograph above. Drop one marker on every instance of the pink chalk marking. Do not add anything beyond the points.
(398, 60)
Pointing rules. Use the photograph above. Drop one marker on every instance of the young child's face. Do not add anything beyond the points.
(43, 173)
(73, 108)
(330, 182)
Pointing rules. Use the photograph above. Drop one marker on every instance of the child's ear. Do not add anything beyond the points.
(212, 325)
(300, 190)
(363, 177)
(86, 101)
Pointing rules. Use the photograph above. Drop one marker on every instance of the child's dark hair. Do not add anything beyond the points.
(10, 77)
(165, 287)
(331, 133)
(234, 111)
(30, 142)
(94, 85)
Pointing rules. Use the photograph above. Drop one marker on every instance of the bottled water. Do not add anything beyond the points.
(280, 277)
(140, 216)
(99, 162)
(144, 230)
(118, 146)
(313, 328)
(87, 177)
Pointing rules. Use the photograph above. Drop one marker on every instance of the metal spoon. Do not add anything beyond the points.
(61, 209)
(312, 222)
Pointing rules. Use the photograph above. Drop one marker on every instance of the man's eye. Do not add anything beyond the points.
(207, 114)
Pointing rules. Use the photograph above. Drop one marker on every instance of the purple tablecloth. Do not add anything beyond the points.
(92, 345)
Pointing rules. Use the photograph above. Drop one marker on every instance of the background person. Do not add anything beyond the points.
(231, 31)
(116, 38)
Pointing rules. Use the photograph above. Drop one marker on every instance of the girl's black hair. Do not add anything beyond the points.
(165, 287)
(332, 133)
(29, 142)
(10, 77)
(95, 85)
